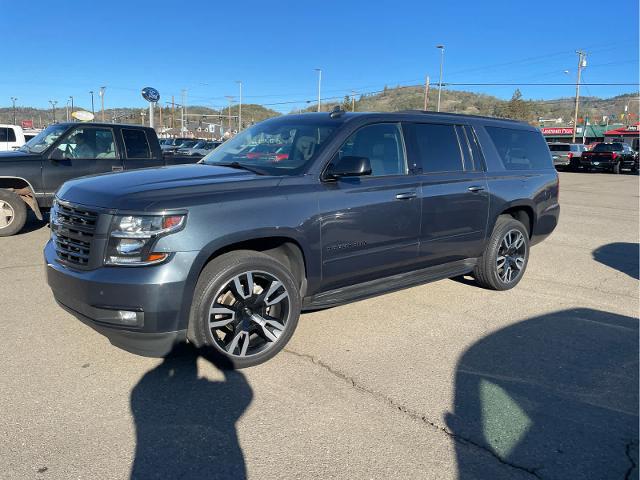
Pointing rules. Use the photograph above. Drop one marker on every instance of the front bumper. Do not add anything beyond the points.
(156, 294)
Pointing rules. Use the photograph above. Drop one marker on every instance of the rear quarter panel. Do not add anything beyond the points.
(536, 190)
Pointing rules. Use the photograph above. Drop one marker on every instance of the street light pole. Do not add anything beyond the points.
(582, 62)
(71, 97)
(182, 111)
(101, 93)
(239, 82)
(319, 70)
(441, 47)
(92, 110)
(13, 100)
(53, 106)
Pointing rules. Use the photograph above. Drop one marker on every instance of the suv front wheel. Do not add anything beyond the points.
(246, 307)
(504, 261)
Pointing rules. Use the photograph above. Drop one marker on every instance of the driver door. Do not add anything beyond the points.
(82, 151)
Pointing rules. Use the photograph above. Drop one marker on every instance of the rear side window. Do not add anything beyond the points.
(520, 149)
(438, 148)
(136, 143)
(7, 135)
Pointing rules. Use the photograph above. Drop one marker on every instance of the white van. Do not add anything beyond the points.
(11, 137)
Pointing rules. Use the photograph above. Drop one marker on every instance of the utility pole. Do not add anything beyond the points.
(173, 112)
(239, 82)
(582, 62)
(53, 106)
(13, 99)
(426, 92)
(441, 47)
(319, 70)
(230, 98)
(101, 93)
(142, 114)
(92, 109)
(182, 110)
(353, 100)
(70, 97)
(160, 111)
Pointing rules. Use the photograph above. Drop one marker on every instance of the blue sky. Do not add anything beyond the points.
(71, 47)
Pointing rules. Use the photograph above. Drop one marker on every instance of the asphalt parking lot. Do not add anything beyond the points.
(443, 380)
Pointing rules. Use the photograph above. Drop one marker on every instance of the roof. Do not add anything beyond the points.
(623, 131)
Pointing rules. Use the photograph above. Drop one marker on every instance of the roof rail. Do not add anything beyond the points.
(460, 115)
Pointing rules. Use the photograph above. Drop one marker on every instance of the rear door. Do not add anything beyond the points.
(84, 150)
(453, 191)
(137, 149)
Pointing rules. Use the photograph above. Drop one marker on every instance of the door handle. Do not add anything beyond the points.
(406, 195)
(475, 189)
(117, 169)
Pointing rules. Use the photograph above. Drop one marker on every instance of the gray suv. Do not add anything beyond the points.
(225, 254)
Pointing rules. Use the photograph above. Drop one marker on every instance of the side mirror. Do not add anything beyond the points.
(349, 167)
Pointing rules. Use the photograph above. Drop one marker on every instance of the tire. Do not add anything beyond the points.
(487, 272)
(249, 325)
(616, 168)
(13, 212)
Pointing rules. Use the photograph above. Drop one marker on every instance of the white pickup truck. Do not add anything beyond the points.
(11, 137)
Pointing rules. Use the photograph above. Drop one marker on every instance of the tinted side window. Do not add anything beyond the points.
(438, 148)
(136, 143)
(520, 149)
(7, 135)
(381, 144)
(478, 159)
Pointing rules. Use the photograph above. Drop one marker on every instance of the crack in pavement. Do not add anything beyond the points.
(633, 466)
(411, 413)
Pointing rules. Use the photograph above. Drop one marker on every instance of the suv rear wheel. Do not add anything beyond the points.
(246, 307)
(13, 213)
(505, 259)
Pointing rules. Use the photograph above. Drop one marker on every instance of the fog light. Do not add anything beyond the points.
(129, 318)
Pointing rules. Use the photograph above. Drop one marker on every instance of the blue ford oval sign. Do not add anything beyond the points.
(150, 94)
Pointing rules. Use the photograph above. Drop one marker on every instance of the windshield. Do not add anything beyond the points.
(607, 147)
(44, 139)
(560, 148)
(260, 145)
(188, 144)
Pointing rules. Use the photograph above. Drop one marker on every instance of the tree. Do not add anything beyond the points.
(517, 108)
(346, 103)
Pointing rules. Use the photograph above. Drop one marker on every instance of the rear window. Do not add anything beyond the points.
(607, 147)
(136, 143)
(438, 148)
(520, 149)
(7, 135)
(560, 148)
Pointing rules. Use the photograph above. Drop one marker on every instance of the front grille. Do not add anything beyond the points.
(73, 228)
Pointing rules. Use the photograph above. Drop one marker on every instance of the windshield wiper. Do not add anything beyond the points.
(239, 166)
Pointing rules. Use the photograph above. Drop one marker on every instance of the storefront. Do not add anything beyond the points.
(628, 135)
(587, 135)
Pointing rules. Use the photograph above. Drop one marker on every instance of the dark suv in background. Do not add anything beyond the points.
(227, 253)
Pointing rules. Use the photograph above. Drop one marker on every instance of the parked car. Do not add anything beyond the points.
(226, 253)
(567, 155)
(205, 149)
(11, 137)
(30, 175)
(173, 144)
(199, 148)
(613, 157)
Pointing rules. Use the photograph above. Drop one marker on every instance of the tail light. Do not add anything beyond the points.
(570, 155)
(614, 155)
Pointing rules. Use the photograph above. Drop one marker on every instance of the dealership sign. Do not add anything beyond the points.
(150, 94)
(557, 131)
(27, 123)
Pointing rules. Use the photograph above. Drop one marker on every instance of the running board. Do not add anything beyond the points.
(379, 286)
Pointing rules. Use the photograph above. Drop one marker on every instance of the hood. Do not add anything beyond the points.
(12, 154)
(160, 188)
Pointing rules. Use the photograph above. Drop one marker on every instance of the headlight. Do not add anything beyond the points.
(132, 237)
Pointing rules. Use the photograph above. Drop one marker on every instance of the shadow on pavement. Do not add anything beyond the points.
(185, 424)
(555, 395)
(621, 256)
